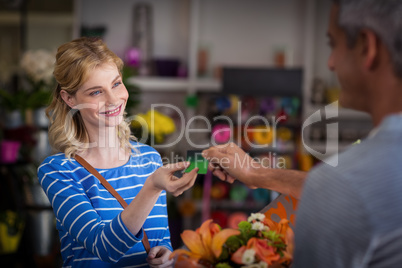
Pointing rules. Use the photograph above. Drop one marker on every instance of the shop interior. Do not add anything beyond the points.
(209, 71)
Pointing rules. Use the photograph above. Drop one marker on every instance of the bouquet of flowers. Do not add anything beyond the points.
(37, 67)
(257, 242)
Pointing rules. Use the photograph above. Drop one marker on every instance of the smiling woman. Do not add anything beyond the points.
(100, 100)
(87, 122)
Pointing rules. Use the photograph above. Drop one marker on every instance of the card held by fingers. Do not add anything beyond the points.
(197, 161)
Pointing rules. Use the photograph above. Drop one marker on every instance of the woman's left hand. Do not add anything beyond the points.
(159, 257)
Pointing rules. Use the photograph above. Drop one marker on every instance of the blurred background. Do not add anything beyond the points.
(225, 60)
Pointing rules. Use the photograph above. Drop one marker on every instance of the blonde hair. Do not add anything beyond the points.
(74, 62)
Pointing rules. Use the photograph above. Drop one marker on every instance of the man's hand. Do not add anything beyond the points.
(229, 162)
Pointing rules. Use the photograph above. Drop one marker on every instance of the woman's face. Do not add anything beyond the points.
(102, 99)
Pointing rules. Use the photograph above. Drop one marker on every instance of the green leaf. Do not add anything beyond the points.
(233, 243)
(225, 254)
(223, 265)
(244, 226)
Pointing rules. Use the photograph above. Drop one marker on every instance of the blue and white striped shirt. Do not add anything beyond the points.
(91, 231)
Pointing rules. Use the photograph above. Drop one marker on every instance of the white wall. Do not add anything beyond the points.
(321, 43)
(235, 31)
(170, 19)
(247, 32)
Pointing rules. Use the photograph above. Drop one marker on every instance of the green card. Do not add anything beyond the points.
(196, 160)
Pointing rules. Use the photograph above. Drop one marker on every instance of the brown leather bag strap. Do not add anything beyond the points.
(111, 190)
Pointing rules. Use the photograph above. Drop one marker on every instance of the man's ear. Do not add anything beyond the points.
(370, 49)
(67, 98)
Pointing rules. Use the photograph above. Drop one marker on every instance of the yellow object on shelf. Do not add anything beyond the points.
(11, 229)
(156, 123)
(306, 162)
(332, 94)
(284, 134)
(262, 135)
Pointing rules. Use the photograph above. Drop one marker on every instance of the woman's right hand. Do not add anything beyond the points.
(164, 179)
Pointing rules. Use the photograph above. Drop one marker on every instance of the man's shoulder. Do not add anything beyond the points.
(366, 159)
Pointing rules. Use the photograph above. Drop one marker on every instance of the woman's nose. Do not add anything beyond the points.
(111, 99)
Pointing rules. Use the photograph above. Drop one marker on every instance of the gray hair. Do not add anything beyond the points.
(383, 17)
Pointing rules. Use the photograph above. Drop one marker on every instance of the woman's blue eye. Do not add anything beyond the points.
(116, 84)
(94, 93)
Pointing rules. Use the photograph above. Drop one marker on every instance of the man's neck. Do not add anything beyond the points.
(388, 101)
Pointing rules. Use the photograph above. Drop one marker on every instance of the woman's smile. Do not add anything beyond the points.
(114, 112)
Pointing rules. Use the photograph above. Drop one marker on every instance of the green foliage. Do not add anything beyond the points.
(234, 243)
(223, 265)
(244, 226)
(38, 99)
(12, 102)
(246, 231)
(276, 240)
(22, 100)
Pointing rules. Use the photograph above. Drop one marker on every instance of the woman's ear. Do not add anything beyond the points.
(67, 98)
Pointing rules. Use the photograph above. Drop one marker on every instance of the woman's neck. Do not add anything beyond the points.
(105, 150)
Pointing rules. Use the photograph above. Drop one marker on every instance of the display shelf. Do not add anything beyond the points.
(343, 113)
(289, 148)
(37, 18)
(167, 84)
(329, 148)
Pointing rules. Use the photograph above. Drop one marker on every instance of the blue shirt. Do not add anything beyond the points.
(351, 215)
(88, 219)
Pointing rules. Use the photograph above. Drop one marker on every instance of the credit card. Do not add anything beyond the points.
(197, 161)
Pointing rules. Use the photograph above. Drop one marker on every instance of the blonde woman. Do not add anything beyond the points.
(86, 116)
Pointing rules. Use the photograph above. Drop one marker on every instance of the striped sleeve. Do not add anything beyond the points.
(161, 205)
(107, 240)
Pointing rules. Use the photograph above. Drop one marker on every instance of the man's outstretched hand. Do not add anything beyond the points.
(229, 162)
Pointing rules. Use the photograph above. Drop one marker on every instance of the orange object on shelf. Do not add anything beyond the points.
(235, 218)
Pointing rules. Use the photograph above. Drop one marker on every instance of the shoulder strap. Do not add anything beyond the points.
(110, 188)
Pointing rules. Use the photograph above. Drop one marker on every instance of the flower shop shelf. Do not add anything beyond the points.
(38, 18)
(330, 149)
(175, 84)
(343, 113)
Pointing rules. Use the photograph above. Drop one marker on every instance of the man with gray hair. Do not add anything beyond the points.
(349, 215)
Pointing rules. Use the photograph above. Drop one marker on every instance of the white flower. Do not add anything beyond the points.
(38, 65)
(248, 256)
(256, 216)
(258, 226)
(263, 264)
